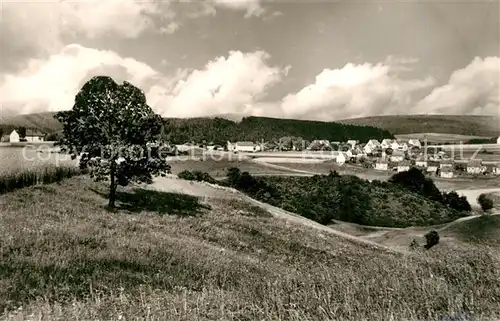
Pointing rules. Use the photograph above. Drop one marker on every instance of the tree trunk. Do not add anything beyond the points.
(112, 188)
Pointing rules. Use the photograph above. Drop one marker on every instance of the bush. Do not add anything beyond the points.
(198, 176)
(485, 202)
(431, 238)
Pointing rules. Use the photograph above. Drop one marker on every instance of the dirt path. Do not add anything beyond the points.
(205, 190)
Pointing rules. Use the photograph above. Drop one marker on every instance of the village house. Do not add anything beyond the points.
(372, 146)
(322, 144)
(34, 135)
(397, 156)
(446, 172)
(421, 162)
(403, 166)
(474, 166)
(446, 163)
(353, 143)
(399, 145)
(340, 159)
(496, 169)
(432, 167)
(381, 164)
(414, 142)
(14, 137)
(386, 143)
(498, 140)
(245, 147)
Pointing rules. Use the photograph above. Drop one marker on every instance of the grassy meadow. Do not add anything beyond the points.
(163, 256)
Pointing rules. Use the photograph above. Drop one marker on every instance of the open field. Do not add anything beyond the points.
(165, 256)
(440, 137)
(218, 169)
(483, 126)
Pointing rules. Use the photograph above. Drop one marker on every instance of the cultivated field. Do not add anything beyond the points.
(483, 126)
(165, 256)
(439, 137)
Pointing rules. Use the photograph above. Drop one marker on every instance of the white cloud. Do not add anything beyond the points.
(252, 7)
(353, 91)
(474, 89)
(224, 85)
(51, 85)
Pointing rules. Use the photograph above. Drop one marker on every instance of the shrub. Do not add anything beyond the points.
(187, 175)
(196, 176)
(431, 238)
(485, 202)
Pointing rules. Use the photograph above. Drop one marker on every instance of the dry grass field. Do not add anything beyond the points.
(164, 256)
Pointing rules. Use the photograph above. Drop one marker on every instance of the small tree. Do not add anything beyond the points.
(114, 132)
(431, 238)
(485, 202)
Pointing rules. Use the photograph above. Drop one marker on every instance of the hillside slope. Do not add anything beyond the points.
(220, 130)
(449, 124)
(165, 256)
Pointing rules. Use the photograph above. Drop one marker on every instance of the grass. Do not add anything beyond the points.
(482, 230)
(217, 169)
(65, 257)
(41, 175)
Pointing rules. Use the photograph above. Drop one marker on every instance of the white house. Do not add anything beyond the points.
(398, 145)
(446, 163)
(352, 142)
(432, 167)
(386, 143)
(381, 165)
(474, 166)
(446, 172)
(33, 136)
(340, 159)
(498, 140)
(245, 147)
(403, 166)
(14, 137)
(421, 162)
(397, 156)
(496, 169)
(414, 142)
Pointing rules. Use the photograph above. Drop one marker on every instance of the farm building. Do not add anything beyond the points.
(386, 143)
(421, 162)
(403, 166)
(414, 142)
(33, 136)
(14, 137)
(340, 159)
(446, 163)
(432, 167)
(446, 172)
(474, 166)
(248, 147)
(381, 165)
(352, 142)
(397, 156)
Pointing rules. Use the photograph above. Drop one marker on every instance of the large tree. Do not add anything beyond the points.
(114, 133)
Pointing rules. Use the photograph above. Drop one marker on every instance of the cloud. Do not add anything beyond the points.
(51, 85)
(225, 85)
(353, 91)
(251, 7)
(474, 89)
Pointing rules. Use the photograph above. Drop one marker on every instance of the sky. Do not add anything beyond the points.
(318, 60)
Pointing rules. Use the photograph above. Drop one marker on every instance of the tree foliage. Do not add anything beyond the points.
(431, 239)
(485, 202)
(219, 130)
(114, 132)
(415, 181)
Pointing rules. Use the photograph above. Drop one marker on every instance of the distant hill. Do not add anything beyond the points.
(220, 130)
(488, 126)
(42, 121)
